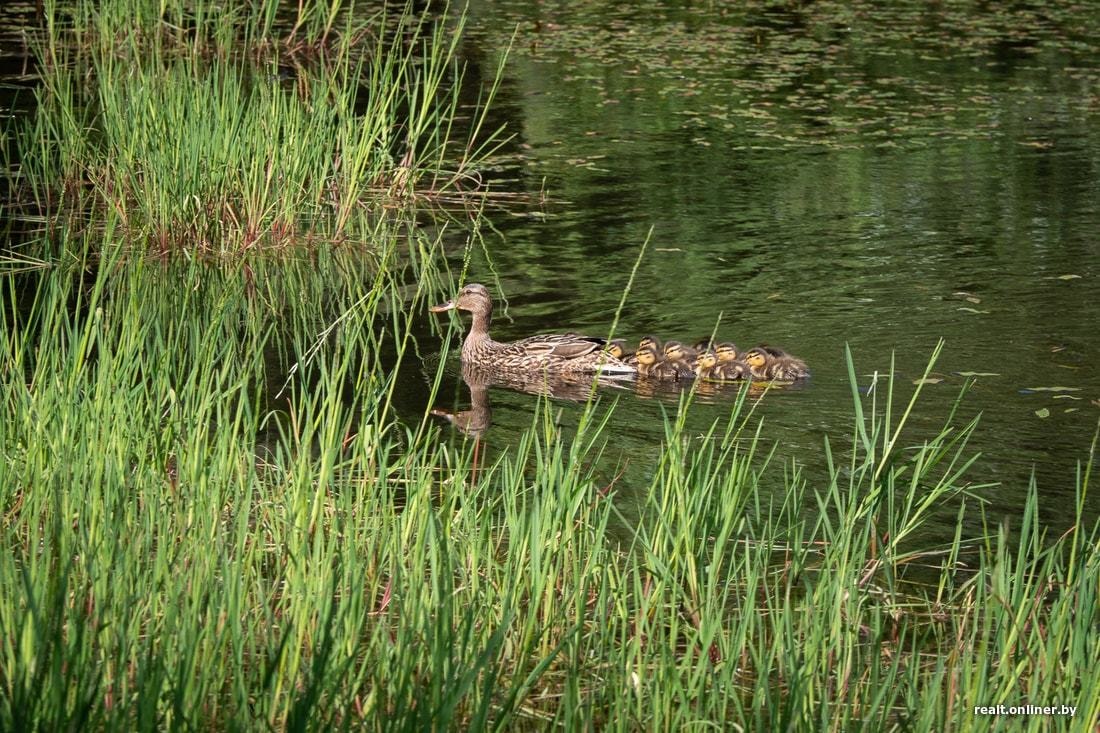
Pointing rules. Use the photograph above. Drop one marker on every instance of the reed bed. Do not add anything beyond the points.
(216, 129)
(184, 549)
(217, 517)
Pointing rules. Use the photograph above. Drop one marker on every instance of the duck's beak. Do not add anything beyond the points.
(449, 305)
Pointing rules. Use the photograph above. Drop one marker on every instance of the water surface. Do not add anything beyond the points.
(814, 177)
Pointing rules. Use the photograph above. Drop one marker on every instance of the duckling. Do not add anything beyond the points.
(651, 341)
(617, 348)
(709, 365)
(727, 351)
(730, 367)
(652, 364)
(766, 362)
(705, 364)
(732, 371)
(680, 357)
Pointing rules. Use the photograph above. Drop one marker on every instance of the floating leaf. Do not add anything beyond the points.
(1044, 412)
(1069, 277)
(967, 309)
(929, 380)
(973, 299)
(977, 374)
(1066, 397)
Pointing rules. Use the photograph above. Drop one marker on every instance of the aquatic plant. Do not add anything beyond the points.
(185, 548)
(197, 132)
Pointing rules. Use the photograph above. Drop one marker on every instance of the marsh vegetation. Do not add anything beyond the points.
(218, 513)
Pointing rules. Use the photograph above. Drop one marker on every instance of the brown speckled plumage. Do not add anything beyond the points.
(771, 363)
(554, 353)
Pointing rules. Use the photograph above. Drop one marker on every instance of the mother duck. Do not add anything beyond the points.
(553, 353)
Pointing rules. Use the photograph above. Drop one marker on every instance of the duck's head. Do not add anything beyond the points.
(755, 358)
(726, 352)
(615, 348)
(650, 342)
(675, 351)
(707, 360)
(646, 355)
(473, 297)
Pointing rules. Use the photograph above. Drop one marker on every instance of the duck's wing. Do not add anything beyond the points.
(561, 346)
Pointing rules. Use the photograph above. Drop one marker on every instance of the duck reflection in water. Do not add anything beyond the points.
(474, 421)
(477, 419)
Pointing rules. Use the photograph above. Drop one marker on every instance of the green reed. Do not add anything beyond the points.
(215, 518)
(201, 129)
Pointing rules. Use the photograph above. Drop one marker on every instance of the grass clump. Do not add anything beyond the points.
(193, 136)
(184, 549)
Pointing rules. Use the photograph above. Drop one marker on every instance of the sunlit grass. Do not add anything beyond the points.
(215, 517)
(175, 121)
(183, 549)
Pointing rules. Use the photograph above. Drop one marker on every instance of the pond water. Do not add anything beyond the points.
(813, 177)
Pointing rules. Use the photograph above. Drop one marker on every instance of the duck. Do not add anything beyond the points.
(567, 353)
(768, 362)
(651, 341)
(709, 365)
(680, 358)
(652, 364)
(727, 351)
(617, 348)
(705, 364)
(730, 366)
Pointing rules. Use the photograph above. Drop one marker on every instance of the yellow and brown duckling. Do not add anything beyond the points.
(681, 358)
(727, 351)
(553, 354)
(651, 342)
(705, 364)
(709, 365)
(617, 348)
(730, 366)
(651, 363)
(768, 362)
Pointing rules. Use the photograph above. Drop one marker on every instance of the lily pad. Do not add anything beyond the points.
(929, 380)
(1044, 412)
(977, 374)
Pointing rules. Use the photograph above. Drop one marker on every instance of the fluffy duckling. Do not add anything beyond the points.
(709, 365)
(767, 362)
(727, 351)
(617, 348)
(705, 364)
(652, 364)
(680, 357)
(730, 366)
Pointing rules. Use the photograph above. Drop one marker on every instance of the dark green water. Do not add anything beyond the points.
(819, 176)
